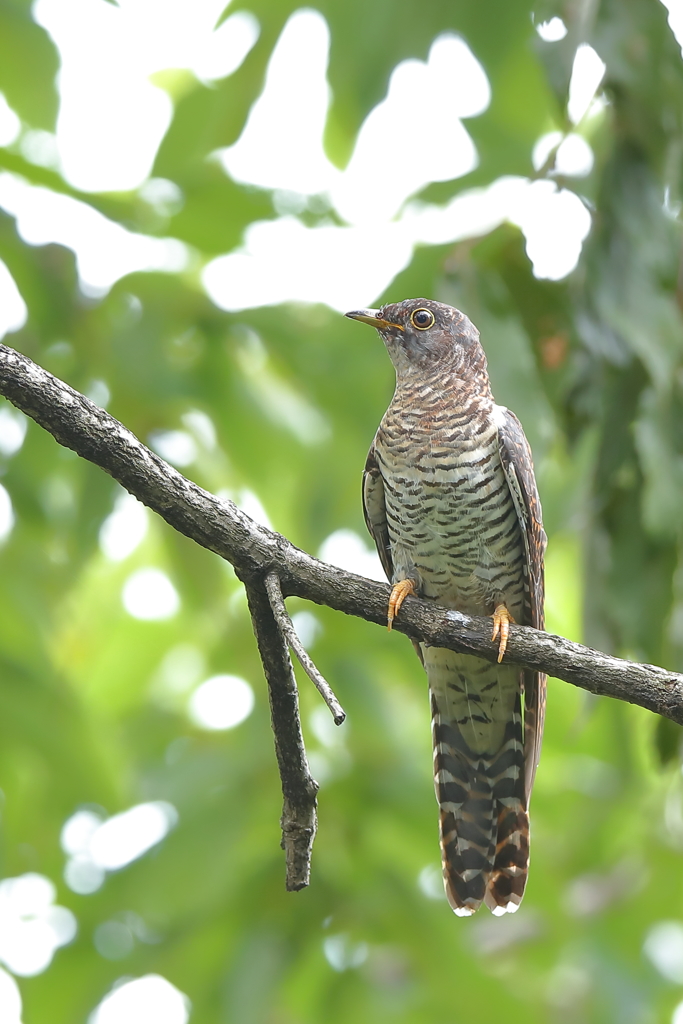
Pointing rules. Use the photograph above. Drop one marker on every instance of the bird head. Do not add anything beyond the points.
(424, 335)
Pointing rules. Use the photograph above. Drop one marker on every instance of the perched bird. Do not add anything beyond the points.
(450, 500)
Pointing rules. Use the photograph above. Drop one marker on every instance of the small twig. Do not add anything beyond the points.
(277, 603)
(299, 820)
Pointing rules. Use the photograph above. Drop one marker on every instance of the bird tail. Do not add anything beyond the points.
(479, 781)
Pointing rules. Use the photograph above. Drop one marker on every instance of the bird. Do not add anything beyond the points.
(450, 500)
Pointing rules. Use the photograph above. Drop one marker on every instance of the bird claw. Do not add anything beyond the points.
(399, 592)
(501, 627)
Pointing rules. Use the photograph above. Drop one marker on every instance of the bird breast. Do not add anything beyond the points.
(450, 513)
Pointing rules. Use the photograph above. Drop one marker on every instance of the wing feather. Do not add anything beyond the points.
(375, 511)
(515, 456)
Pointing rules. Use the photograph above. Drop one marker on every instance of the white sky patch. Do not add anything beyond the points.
(675, 9)
(282, 261)
(251, 504)
(81, 873)
(149, 595)
(123, 838)
(574, 156)
(347, 267)
(148, 1000)
(221, 702)
(10, 125)
(95, 845)
(663, 947)
(78, 831)
(554, 221)
(346, 550)
(289, 116)
(40, 148)
(107, 54)
(104, 251)
(175, 446)
(109, 51)
(127, 115)
(547, 215)
(227, 47)
(10, 999)
(13, 311)
(13, 426)
(31, 926)
(472, 213)
(588, 72)
(432, 96)
(164, 196)
(83, 876)
(98, 392)
(552, 31)
(124, 529)
(6, 514)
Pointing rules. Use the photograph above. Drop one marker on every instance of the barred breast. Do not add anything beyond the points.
(451, 518)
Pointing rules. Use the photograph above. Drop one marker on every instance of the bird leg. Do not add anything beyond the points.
(399, 593)
(501, 627)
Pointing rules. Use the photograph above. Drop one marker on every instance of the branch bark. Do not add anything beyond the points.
(299, 820)
(256, 553)
(286, 626)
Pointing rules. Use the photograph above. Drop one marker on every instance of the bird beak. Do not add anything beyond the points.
(372, 317)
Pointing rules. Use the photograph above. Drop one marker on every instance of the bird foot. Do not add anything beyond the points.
(399, 592)
(501, 627)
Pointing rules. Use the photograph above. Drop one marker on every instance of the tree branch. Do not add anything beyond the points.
(289, 633)
(299, 789)
(256, 552)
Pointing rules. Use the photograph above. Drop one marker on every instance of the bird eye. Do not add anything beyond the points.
(422, 319)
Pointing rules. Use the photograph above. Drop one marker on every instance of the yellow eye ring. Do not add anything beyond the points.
(422, 319)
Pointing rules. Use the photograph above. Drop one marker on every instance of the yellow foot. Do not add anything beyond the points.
(399, 593)
(501, 627)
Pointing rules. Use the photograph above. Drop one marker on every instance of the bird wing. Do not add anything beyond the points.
(515, 456)
(375, 511)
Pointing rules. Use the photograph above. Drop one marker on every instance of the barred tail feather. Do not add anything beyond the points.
(484, 825)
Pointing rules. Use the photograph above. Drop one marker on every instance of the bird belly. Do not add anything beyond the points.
(477, 695)
(453, 525)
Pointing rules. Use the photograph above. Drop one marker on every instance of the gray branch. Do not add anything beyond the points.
(256, 553)
(289, 633)
(299, 789)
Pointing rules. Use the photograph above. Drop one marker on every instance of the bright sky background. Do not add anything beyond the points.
(112, 120)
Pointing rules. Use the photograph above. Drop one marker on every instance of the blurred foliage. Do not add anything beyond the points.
(594, 367)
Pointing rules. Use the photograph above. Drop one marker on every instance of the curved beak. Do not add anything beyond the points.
(372, 317)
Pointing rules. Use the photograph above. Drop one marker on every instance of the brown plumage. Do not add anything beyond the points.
(450, 500)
